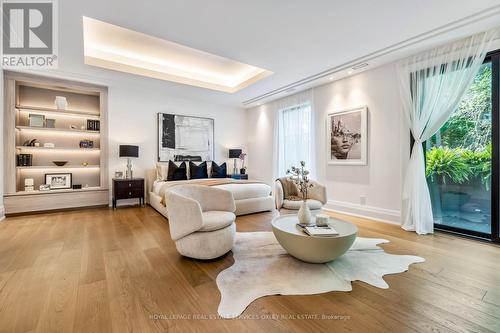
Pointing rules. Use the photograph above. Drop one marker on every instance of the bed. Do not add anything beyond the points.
(249, 196)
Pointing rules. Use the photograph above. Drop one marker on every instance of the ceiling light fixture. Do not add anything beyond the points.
(116, 48)
(363, 65)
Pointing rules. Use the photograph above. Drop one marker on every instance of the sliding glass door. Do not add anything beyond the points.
(462, 160)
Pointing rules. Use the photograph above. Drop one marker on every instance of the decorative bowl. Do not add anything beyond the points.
(60, 163)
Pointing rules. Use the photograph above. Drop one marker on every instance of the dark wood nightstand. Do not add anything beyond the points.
(238, 176)
(128, 189)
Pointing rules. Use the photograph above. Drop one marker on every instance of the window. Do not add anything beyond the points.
(294, 137)
(461, 159)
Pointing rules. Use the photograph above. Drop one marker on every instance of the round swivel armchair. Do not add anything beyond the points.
(201, 220)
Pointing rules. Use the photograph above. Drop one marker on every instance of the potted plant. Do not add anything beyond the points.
(243, 169)
(447, 167)
(300, 177)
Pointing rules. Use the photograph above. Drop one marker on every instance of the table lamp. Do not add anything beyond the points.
(235, 153)
(129, 151)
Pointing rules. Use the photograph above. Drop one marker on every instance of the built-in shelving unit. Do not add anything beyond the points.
(68, 138)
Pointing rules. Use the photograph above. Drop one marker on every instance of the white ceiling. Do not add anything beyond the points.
(294, 39)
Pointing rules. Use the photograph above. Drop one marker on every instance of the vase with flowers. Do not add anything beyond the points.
(243, 169)
(300, 177)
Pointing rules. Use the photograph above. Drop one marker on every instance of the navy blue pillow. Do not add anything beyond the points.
(198, 171)
(177, 172)
(219, 171)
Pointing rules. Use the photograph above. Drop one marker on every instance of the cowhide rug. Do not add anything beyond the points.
(262, 267)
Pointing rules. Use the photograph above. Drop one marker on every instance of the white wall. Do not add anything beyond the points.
(380, 182)
(133, 120)
(260, 141)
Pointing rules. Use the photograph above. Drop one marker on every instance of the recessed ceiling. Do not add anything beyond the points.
(116, 48)
(294, 39)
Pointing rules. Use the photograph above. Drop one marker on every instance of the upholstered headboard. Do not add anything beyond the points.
(150, 179)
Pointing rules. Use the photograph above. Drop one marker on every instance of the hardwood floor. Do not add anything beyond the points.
(101, 270)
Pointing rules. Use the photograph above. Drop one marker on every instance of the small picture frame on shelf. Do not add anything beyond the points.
(119, 174)
(36, 120)
(58, 181)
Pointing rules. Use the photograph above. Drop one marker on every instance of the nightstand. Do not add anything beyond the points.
(128, 189)
(238, 176)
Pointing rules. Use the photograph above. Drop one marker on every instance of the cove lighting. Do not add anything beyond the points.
(116, 48)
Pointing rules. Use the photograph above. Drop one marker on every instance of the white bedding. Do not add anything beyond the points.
(240, 191)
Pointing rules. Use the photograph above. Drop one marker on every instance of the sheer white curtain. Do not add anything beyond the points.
(432, 84)
(294, 132)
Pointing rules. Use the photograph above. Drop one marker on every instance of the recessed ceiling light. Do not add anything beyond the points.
(116, 48)
(349, 72)
(330, 78)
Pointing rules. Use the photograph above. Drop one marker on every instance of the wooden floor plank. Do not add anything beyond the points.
(100, 270)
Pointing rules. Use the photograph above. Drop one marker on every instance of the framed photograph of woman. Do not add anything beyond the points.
(347, 136)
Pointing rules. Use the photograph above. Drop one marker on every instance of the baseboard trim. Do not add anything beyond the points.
(369, 212)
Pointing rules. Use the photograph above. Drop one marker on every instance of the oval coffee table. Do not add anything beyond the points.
(313, 249)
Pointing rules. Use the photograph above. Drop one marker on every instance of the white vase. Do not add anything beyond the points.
(61, 103)
(304, 214)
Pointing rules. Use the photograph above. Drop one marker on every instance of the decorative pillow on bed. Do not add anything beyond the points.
(219, 171)
(176, 172)
(198, 171)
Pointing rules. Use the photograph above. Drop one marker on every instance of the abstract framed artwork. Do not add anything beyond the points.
(58, 181)
(182, 138)
(347, 136)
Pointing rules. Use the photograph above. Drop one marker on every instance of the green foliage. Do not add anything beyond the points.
(480, 163)
(447, 164)
(457, 165)
(469, 127)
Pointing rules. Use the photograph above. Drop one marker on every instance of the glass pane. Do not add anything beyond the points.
(459, 161)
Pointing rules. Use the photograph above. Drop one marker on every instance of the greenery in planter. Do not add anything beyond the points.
(458, 165)
(445, 164)
(480, 163)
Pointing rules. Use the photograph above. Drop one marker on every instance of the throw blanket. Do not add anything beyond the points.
(204, 182)
(290, 191)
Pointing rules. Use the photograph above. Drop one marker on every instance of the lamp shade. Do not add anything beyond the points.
(234, 153)
(129, 151)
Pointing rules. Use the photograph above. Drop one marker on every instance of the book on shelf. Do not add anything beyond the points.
(93, 125)
(24, 160)
(320, 231)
